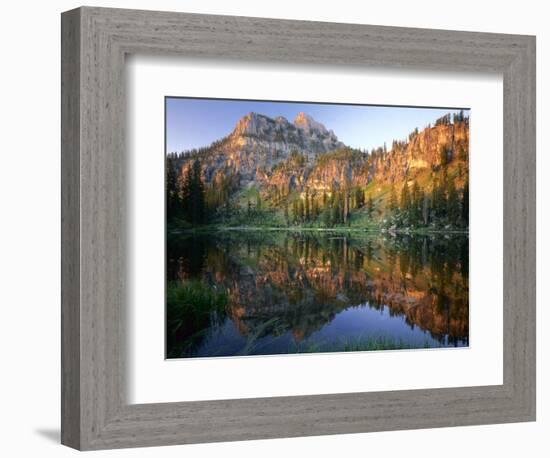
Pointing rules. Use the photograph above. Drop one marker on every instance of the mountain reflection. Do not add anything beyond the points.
(285, 291)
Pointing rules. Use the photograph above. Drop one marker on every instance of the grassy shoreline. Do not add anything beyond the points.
(361, 344)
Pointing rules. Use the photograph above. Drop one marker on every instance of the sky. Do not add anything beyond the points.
(194, 123)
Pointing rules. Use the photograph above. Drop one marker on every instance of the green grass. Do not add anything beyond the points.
(191, 306)
(266, 217)
(374, 344)
(192, 299)
(360, 219)
(362, 344)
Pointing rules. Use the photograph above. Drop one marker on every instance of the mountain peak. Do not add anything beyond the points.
(307, 123)
(273, 139)
(248, 124)
(302, 118)
(252, 117)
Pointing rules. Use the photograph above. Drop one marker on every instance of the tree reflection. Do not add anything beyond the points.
(299, 282)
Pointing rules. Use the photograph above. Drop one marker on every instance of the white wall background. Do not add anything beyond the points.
(30, 209)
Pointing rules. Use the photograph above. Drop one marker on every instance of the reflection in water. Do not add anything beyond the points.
(246, 292)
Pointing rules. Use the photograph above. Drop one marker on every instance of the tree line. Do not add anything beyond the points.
(185, 193)
(330, 208)
(442, 205)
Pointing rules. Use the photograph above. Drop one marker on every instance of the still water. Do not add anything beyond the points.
(277, 292)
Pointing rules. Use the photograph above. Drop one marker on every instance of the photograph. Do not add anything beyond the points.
(296, 227)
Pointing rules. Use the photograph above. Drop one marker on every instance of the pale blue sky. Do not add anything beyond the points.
(193, 123)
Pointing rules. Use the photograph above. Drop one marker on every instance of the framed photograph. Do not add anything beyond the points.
(285, 228)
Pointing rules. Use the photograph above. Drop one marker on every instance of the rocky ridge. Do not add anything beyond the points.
(273, 153)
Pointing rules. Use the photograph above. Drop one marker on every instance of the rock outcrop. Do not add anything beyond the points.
(259, 143)
(274, 153)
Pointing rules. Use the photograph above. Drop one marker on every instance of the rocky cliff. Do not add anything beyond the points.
(259, 143)
(279, 157)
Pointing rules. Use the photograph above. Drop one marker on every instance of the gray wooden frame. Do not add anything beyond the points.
(95, 413)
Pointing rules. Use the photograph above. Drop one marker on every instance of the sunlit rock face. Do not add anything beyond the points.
(320, 139)
(305, 135)
(422, 152)
(258, 143)
(274, 153)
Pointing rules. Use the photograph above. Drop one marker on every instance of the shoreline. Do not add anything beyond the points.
(371, 231)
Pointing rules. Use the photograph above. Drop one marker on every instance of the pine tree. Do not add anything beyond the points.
(336, 212)
(393, 199)
(193, 194)
(185, 184)
(443, 156)
(425, 209)
(405, 198)
(173, 202)
(416, 202)
(198, 194)
(370, 205)
(453, 204)
(314, 209)
(327, 216)
(307, 214)
(287, 217)
(415, 193)
(345, 209)
(258, 201)
(359, 198)
(295, 216)
(301, 212)
(439, 198)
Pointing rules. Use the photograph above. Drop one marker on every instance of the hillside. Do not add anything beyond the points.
(280, 173)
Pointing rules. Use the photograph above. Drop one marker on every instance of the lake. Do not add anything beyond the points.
(246, 292)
